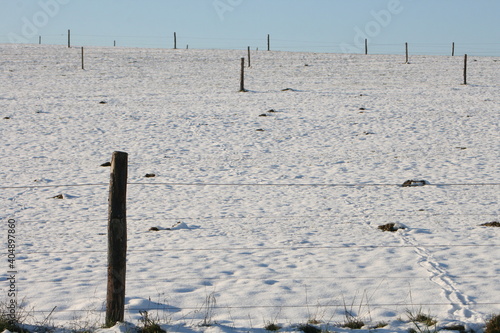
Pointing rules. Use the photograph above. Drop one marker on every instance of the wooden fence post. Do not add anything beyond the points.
(175, 41)
(453, 49)
(242, 76)
(114, 43)
(268, 42)
(83, 64)
(406, 45)
(117, 239)
(465, 70)
(249, 56)
(69, 38)
(366, 46)
(40, 40)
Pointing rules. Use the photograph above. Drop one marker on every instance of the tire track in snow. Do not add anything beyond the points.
(458, 300)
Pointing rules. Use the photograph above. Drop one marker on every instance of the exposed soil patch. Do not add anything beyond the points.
(392, 227)
(411, 183)
(491, 224)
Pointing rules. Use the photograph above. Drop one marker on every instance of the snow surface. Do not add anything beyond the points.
(275, 218)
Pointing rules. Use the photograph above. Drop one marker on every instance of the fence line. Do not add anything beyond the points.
(306, 184)
(247, 184)
(280, 217)
(221, 307)
(51, 186)
(263, 248)
(165, 41)
(13, 54)
(290, 278)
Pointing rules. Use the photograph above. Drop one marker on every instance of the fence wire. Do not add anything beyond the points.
(297, 45)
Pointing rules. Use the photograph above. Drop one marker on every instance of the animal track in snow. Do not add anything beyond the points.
(460, 302)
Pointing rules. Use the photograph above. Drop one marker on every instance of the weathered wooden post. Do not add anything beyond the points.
(268, 42)
(40, 40)
(465, 69)
(69, 38)
(366, 46)
(242, 76)
(83, 64)
(175, 41)
(117, 239)
(453, 49)
(249, 56)
(406, 45)
(114, 43)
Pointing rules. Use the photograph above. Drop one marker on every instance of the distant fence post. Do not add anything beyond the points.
(175, 41)
(406, 46)
(117, 239)
(366, 46)
(83, 64)
(268, 42)
(453, 49)
(249, 56)
(242, 76)
(40, 40)
(465, 70)
(69, 38)
(114, 43)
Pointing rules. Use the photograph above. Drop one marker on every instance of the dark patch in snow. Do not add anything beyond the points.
(392, 227)
(491, 224)
(411, 183)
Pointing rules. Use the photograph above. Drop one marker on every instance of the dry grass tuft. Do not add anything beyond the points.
(493, 325)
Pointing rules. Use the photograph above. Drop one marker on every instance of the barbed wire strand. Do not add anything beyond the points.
(274, 248)
(247, 184)
(230, 278)
(220, 307)
(257, 217)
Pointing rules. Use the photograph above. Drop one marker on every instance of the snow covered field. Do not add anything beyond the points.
(279, 213)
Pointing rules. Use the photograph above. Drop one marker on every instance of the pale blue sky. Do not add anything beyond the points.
(429, 26)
